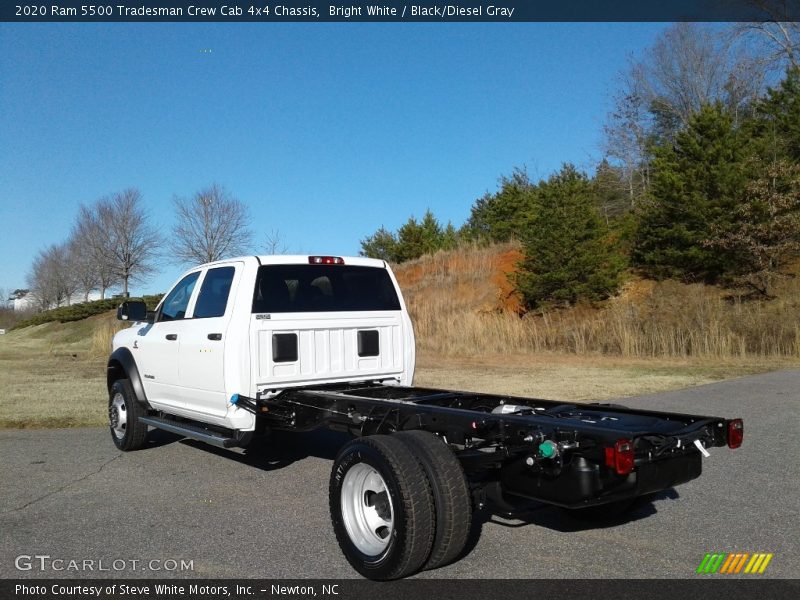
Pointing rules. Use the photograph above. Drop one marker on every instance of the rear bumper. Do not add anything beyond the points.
(586, 484)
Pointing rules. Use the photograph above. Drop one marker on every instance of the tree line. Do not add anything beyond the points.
(700, 179)
(412, 240)
(114, 242)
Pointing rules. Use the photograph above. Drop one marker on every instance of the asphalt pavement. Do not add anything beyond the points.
(68, 494)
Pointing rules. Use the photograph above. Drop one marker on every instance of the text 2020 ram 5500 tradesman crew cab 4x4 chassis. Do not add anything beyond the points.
(244, 346)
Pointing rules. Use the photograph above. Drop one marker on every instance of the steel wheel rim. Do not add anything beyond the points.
(118, 416)
(367, 509)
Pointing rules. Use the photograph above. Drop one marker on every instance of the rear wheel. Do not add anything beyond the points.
(451, 496)
(381, 507)
(124, 410)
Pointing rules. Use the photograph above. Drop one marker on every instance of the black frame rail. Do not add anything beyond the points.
(465, 419)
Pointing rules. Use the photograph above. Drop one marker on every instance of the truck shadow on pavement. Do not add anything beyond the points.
(282, 449)
(563, 520)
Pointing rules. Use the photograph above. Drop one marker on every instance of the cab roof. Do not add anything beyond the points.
(300, 259)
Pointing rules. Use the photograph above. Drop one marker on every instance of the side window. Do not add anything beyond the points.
(214, 293)
(174, 306)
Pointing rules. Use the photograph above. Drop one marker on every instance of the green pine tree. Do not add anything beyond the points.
(506, 214)
(450, 237)
(696, 185)
(776, 126)
(432, 233)
(569, 254)
(382, 244)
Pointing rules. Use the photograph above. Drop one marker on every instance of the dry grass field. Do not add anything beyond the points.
(576, 378)
(53, 375)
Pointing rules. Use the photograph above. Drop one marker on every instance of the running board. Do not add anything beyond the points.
(191, 431)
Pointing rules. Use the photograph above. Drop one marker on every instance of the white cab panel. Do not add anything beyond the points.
(327, 347)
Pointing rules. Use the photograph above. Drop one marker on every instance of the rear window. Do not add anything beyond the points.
(323, 288)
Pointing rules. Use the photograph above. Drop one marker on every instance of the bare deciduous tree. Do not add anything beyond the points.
(127, 235)
(627, 142)
(67, 277)
(778, 32)
(274, 243)
(689, 65)
(82, 267)
(38, 282)
(210, 226)
(94, 244)
(51, 279)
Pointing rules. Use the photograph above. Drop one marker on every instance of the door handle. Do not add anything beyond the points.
(172, 336)
(215, 336)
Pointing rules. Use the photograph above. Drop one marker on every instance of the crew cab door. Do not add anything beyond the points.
(157, 345)
(201, 361)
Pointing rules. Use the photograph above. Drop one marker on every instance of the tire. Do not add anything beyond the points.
(451, 497)
(381, 507)
(124, 410)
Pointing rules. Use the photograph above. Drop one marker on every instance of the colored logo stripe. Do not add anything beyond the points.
(711, 563)
(758, 563)
(734, 563)
(727, 563)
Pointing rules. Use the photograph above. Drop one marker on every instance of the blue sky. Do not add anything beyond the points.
(327, 131)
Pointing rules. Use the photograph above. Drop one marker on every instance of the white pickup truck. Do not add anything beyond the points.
(240, 347)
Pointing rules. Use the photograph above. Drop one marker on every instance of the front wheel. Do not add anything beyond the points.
(124, 410)
(381, 507)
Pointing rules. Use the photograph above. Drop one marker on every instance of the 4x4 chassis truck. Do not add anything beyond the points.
(240, 347)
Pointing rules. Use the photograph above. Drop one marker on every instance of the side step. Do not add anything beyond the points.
(192, 431)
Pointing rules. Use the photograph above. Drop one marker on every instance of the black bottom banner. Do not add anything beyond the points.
(431, 589)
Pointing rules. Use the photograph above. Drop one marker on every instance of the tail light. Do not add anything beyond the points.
(735, 433)
(325, 260)
(620, 457)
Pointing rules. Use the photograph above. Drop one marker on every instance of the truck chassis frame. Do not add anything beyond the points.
(508, 451)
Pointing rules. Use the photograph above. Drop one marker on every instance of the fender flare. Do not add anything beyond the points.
(121, 365)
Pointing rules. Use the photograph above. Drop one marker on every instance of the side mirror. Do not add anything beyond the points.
(132, 310)
(151, 316)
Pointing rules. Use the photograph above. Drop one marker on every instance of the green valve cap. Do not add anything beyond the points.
(547, 449)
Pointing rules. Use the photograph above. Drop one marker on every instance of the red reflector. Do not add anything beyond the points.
(610, 460)
(735, 433)
(620, 457)
(325, 260)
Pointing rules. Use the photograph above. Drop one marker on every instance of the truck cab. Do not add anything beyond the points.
(257, 325)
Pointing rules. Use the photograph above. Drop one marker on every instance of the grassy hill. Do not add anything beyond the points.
(462, 303)
(53, 375)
